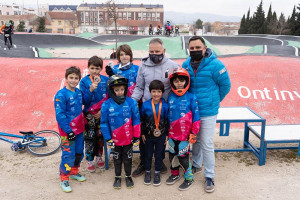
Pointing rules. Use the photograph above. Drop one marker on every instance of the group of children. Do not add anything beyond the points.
(110, 115)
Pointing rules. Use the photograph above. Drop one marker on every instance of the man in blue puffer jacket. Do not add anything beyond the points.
(210, 83)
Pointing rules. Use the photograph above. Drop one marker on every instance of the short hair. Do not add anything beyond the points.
(126, 48)
(73, 70)
(96, 61)
(156, 40)
(197, 38)
(157, 85)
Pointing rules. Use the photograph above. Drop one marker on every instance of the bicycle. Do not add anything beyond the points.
(7, 40)
(41, 143)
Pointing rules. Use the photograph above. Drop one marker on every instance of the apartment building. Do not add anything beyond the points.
(61, 22)
(131, 18)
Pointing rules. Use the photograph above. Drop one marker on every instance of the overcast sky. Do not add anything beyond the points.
(221, 7)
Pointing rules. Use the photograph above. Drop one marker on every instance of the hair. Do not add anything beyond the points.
(156, 40)
(197, 38)
(114, 86)
(179, 77)
(157, 85)
(126, 48)
(96, 61)
(73, 70)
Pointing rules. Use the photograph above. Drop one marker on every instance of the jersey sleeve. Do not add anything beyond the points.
(104, 123)
(86, 93)
(196, 115)
(136, 123)
(60, 105)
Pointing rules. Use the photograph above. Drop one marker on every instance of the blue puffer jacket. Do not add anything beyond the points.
(210, 83)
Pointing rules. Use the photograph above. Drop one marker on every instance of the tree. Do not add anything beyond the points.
(269, 20)
(112, 14)
(292, 22)
(258, 23)
(21, 26)
(273, 24)
(199, 24)
(243, 27)
(41, 24)
(282, 25)
(248, 22)
(297, 30)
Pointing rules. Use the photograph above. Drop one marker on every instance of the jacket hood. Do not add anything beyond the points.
(147, 62)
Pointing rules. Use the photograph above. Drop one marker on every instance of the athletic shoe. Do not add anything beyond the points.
(147, 179)
(196, 170)
(186, 185)
(139, 170)
(77, 177)
(129, 182)
(163, 169)
(156, 180)
(172, 179)
(99, 162)
(90, 166)
(209, 185)
(65, 186)
(117, 183)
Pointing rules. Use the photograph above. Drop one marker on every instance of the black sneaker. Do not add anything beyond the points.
(129, 182)
(209, 185)
(196, 170)
(186, 185)
(147, 180)
(139, 170)
(163, 169)
(156, 180)
(172, 179)
(117, 183)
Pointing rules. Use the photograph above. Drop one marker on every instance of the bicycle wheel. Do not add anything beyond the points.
(44, 143)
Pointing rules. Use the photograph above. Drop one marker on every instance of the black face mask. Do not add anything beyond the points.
(196, 55)
(156, 58)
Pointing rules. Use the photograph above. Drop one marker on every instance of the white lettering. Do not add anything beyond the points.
(290, 94)
(247, 90)
(296, 93)
(276, 94)
(267, 93)
(259, 91)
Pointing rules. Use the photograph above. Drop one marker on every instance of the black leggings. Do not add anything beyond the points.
(123, 154)
(10, 39)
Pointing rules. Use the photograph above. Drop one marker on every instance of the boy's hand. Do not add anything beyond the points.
(110, 143)
(71, 136)
(135, 141)
(192, 138)
(94, 86)
(144, 138)
(97, 115)
(108, 69)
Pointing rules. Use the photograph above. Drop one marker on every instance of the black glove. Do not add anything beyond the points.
(135, 141)
(71, 136)
(108, 69)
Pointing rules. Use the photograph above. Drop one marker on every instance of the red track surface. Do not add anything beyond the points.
(28, 86)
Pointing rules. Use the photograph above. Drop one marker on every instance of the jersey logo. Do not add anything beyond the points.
(222, 71)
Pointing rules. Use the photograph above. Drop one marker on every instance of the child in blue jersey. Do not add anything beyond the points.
(121, 127)
(125, 67)
(94, 86)
(155, 127)
(184, 121)
(71, 124)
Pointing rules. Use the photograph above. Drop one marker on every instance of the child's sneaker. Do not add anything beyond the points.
(99, 162)
(147, 179)
(186, 185)
(90, 166)
(65, 186)
(77, 177)
(172, 179)
(117, 183)
(156, 179)
(129, 182)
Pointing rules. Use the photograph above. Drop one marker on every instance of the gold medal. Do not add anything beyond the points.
(156, 132)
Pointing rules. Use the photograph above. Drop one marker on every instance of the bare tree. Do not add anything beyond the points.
(112, 14)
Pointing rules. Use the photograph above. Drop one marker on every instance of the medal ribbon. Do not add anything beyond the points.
(156, 118)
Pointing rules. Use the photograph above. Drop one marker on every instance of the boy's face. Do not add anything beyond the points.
(72, 81)
(179, 83)
(119, 90)
(94, 70)
(124, 58)
(156, 94)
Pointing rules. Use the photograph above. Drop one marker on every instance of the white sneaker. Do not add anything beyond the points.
(90, 166)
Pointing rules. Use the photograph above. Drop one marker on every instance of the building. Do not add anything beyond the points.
(133, 17)
(61, 22)
(10, 9)
(63, 8)
(29, 20)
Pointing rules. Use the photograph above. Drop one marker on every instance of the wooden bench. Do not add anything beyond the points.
(285, 133)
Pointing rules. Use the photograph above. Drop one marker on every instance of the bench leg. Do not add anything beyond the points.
(246, 135)
(263, 145)
(298, 150)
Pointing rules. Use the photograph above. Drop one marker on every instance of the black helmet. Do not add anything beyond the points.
(117, 80)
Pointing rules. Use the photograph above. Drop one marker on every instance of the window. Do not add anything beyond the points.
(95, 14)
(100, 14)
(59, 22)
(120, 15)
(129, 15)
(148, 15)
(82, 18)
(91, 19)
(157, 14)
(86, 19)
(86, 14)
(82, 14)
(153, 15)
(124, 15)
(60, 30)
(95, 20)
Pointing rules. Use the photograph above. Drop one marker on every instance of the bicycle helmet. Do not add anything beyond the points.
(114, 81)
(180, 73)
(7, 24)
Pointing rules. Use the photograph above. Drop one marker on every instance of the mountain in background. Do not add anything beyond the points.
(183, 18)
